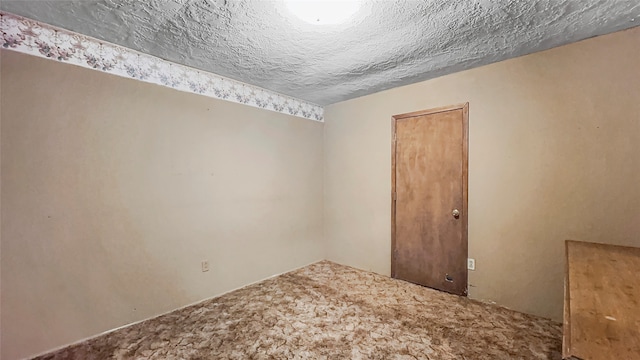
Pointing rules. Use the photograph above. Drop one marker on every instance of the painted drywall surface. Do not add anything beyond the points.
(385, 44)
(114, 191)
(554, 155)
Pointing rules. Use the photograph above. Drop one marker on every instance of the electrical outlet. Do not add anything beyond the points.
(471, 264)
(205, 265)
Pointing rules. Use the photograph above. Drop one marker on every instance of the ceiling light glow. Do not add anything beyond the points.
(323, 12)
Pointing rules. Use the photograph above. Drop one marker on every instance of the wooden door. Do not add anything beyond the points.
(429, 198)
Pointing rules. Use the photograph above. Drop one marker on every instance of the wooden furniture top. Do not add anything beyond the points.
(602, 304)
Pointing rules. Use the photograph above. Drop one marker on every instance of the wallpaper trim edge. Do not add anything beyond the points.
(43, 40)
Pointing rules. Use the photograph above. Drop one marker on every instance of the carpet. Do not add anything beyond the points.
(330, 311)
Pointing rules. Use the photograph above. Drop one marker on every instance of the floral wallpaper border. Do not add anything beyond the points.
(43, 40)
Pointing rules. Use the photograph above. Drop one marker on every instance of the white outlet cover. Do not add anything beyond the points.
(471, 264)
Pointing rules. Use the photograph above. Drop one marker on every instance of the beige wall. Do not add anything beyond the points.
(554, 155)
(113, 192)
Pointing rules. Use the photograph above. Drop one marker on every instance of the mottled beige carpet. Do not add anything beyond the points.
(329, 311)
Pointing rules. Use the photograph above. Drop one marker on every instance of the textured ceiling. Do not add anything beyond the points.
(386, 44)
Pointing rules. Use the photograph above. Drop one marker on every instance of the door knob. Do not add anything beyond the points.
(455, 213)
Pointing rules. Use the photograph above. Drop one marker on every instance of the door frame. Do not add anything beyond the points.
(465, 175)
